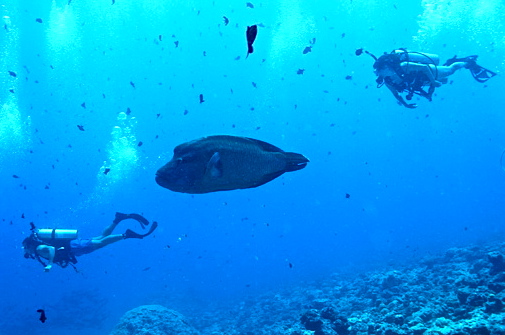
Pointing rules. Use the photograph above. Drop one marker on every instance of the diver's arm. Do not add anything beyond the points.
(48, 253)
(399, 97)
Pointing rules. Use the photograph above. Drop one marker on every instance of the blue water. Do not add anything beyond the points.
(419, 181)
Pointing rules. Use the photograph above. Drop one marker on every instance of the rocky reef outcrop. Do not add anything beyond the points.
(461, 292)
(153, 320)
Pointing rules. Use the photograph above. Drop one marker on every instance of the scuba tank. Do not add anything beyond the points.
(56, 234)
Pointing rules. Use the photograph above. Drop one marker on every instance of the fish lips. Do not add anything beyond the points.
(171, 178)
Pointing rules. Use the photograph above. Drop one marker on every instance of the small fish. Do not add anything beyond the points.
(220, 163)
(186, 112)
(13, 74)
(140, 144)
(347, 195)
(107, 170)
(39, 20)
(132, 83)
(128, 111)
(42, 315)
(290, 265)
(201, 98)
(226, 20)
(307, 50)
(359, 52)
(146, 269)
(348, 77)
(176, 44)
(81, 127)
(251, 33)
(15, 176)
(254, 84)
(250, 5)
(83, 105)
(300, 71)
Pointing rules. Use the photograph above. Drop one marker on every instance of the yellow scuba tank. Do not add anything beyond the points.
(56, 234)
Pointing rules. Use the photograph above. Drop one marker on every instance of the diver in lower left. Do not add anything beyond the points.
(62, 246)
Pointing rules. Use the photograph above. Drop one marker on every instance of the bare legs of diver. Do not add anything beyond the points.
(107, 238)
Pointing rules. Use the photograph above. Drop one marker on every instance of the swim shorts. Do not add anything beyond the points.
(81, 246)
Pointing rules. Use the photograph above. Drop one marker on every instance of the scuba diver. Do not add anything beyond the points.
(61, 246)
(420, 73)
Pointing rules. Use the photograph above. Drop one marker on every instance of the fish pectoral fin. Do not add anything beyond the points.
(214, 167)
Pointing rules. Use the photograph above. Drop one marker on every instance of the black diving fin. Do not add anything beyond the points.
(140, 219)
(137, 217)
(478, 72)
(131, 234)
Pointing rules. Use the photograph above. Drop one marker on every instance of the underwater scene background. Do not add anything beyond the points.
(89, 87)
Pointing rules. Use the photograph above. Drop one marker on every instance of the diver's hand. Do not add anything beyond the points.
(48, 268)
(404, 104)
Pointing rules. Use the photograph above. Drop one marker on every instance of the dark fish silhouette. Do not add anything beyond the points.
(226, 20)
(220, 163)
(251, 33)
(42, 315)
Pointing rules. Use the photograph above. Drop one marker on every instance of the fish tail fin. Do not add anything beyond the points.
(295, 161)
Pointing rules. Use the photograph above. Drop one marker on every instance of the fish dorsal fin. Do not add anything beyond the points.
(246, 140)
(214, 167)
(265, 146)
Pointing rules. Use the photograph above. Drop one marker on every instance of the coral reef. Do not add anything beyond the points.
(459, 293)
(153, 320)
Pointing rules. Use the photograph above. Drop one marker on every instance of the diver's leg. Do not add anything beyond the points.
(445, 71)
(107, 231)
(102, 241)
(118, 218)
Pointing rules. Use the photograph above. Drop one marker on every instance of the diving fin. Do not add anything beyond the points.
(455, 59)
(140, 219)
(131, 234)
(137, 217)
(478, 72)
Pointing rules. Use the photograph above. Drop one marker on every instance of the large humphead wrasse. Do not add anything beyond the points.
(219, 163)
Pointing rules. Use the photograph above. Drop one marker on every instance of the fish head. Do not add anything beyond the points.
(181, 173)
